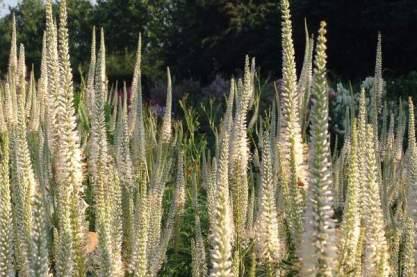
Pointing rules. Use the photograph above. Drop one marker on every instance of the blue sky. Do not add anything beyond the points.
(4, 8)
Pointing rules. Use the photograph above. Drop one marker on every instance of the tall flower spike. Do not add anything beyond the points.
(228, 116)
(411, 128)
(139, 262)
(6, 235)
(160, 173)
(289, 134)
(91, 71)
(8, 107)
(175, 212)
(307, 64)
(43, 84)
(13, 50)
(407, 261)
(376, 101)
(64, 58)
(124, 168)
(305, 81)
(400, 132)
(195, 266)
(166, 129)
(23, 183)
(378, 88)
(197, 245)
(34, 111)
(124, 163)
(29, 96)
(100, 78)
(101, 163)
(239, 152)
(98, 132)
(115, 214)
(350, 228)
(11, 89)
(362, 121)
(68, 165)
(389, 147)
(384, 129)
(21, 79)
(53, 77)
(375, 251)
(12, 75)
(117, 104)
(138, 138)
(267, 229)
(3, 122)
(136, 86)
(291, 192)
(411, 185)
(221, 229)
(211, 193)
(290, 128)
(39, 258)
(394, 247)
(319, 225)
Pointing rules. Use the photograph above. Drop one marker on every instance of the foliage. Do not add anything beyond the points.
(201, 39)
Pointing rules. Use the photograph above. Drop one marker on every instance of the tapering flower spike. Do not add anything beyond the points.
(67, 163)
(43, 85)
(407, 258)
(39, 236)
(23, 182)
(221, 228)
(138, 136)
(267, 229)
(375, 251)
(139, 261)
(54, 109)
(166, 129)
(91, 74)
(411, 185)
(6, 231)
(319, 222)
(289, 138)
(13, 50)
(136, 86)
(350, 228)
(239, 150)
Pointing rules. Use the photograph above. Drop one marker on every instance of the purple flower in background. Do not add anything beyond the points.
(158, 110)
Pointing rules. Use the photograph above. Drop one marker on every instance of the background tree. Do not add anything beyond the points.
(201, 38)
(30, 23)
(122, 21)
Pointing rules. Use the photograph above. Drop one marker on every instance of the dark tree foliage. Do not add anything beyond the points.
(210, 36)
(352, 33)
(30, 24)
(214, 35)
(122, 21)
(200, 38)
